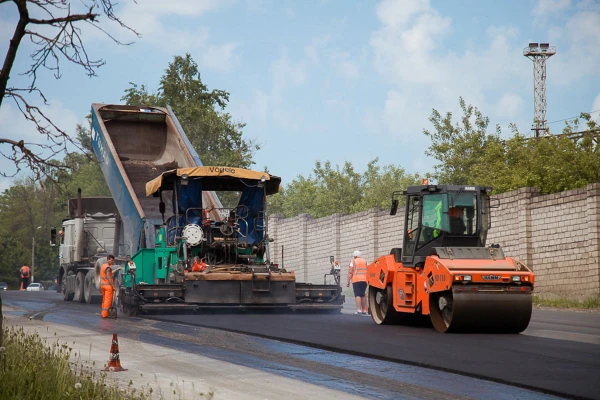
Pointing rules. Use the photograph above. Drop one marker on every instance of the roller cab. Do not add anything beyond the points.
(445, 270)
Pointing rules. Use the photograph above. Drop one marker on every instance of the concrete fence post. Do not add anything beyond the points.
(337, 234)
(524, 196)
(273, 226)
(592, 240)
(304, 218)
(373, 239)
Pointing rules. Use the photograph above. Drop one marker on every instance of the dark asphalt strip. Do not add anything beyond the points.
(347, 373)
(556, 367)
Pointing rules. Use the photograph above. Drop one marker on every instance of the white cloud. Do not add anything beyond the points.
(577, 43)
(343, 63)
(548, 7)
(287, 73)
(317, 45)
(409, 53)
(396, 14)
(153, 20)
(181, 7)
(409, 32)
(509, 106)
(221, 57)
(493, 76)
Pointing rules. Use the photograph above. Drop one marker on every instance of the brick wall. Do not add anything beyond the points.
(556, 235)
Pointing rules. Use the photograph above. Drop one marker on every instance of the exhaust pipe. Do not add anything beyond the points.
(79, 233)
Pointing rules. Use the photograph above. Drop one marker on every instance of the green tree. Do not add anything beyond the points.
(217, 138)
(460, 147)
(23, 208)
(340, 190)
(298, 197)
(469, 155)
(378, 184)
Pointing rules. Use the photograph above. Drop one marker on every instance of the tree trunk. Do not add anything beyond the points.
(11, 53)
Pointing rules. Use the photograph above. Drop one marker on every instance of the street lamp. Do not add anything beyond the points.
(33, 252)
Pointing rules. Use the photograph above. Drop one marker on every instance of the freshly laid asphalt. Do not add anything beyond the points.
(556, 366)
(558, 354)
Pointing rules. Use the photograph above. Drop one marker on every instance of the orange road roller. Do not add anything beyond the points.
(444, 268)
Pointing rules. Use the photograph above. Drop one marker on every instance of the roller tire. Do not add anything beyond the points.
(381, 306)
(441, 318)
(482, 313)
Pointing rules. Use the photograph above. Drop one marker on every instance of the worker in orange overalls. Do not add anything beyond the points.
(25, 275)
(107, 283)
(357, 274)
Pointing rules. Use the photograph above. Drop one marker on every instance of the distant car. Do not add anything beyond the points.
(3, 286)
(52, 287)
(35, 287)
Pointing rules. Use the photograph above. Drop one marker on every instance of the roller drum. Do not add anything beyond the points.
(502, 312)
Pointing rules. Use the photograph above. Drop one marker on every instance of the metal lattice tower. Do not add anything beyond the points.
(539, 54)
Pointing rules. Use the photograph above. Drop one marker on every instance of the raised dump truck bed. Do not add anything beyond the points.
(134, 145)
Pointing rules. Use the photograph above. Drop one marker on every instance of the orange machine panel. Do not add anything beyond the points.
(382, 271)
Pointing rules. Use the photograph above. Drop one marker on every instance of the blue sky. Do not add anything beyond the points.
(337, 80)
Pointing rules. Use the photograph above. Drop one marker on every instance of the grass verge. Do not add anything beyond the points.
(589, 303)
(30, 368)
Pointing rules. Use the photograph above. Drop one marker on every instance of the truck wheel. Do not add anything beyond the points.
(79, 282)
(97, 268)
(67, 296)
(88, 289)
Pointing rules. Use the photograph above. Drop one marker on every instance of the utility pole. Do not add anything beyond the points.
(33, 252)
(32, 255)
(539, 53)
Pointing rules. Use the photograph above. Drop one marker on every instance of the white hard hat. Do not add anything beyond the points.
(356, 253)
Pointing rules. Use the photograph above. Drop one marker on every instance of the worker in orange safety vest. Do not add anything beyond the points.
(357, 274)
(25, 275)
(107, 283)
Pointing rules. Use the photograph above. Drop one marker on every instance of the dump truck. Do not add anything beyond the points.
(181, 248)
(444, 269)
(85, 239)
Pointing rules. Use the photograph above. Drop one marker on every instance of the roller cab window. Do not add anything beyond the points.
(412, 225)
(462, 214)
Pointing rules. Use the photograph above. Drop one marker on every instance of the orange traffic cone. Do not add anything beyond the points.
(114, 361)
